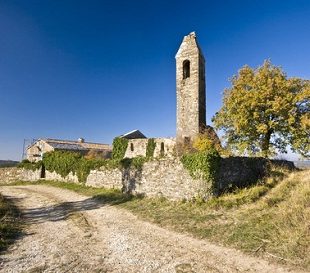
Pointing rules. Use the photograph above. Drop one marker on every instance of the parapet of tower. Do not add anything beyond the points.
(191, 90)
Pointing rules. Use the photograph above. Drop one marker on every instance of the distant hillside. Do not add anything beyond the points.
(302, 164)
(8, 163)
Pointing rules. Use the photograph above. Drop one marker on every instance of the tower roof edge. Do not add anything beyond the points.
(189, 40)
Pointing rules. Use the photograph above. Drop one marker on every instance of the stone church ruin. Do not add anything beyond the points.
(191, 104)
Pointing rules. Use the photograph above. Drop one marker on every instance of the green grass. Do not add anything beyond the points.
(271, 218)
(9, 223)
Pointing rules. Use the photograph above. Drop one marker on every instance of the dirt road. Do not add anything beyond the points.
(68, 232)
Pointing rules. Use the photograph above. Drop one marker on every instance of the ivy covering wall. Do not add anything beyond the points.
(203, 165)
(150, 148)
(119, 148)
(63, 163)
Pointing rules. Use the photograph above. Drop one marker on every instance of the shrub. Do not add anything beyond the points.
(203, 143)
(208, 140)
(26, 164)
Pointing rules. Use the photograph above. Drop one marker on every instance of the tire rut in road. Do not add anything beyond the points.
(58, 238)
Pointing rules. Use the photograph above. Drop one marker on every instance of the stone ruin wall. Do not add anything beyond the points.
(137, 147)
(162, 177)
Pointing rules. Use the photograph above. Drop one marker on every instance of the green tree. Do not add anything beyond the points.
(264, 111)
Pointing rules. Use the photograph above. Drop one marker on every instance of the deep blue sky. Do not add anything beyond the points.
(97, 69)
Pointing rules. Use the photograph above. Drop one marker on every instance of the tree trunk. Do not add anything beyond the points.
(266, 142)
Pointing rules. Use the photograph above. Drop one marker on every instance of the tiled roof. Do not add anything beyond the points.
(60, 144)
(67, 146)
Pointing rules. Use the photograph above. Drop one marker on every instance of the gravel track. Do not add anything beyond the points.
(68, 232)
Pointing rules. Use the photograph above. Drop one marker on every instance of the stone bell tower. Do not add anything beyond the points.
(191, 90)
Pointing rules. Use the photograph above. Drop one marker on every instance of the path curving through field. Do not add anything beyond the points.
(68, 232)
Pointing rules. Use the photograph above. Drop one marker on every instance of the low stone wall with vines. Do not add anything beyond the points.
(200, 174)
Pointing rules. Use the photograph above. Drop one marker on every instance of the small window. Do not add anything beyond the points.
(162, 149)
(131, 147)
(186, 69)
(187, 140)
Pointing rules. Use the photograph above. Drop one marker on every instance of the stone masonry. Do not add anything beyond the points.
(160, 177)
(191, 90)
(137, 147)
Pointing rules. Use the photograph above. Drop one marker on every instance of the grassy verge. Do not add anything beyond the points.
(9, 223)
(270, 219)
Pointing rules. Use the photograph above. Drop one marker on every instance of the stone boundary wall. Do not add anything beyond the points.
(29, 175)
(55, 176)
(9, 174)
(245, 171)
(12, 174)
(162, 177)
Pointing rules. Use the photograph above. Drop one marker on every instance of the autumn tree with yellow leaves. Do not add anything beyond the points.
(264, 112)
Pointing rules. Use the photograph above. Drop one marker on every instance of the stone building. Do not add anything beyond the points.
(191, 103)
(164, 147)
(137, 145)
(36, 150)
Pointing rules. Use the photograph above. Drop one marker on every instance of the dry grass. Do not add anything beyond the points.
(271, 219)
(9, 224)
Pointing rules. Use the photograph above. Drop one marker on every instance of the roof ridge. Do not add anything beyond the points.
(72, 141)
